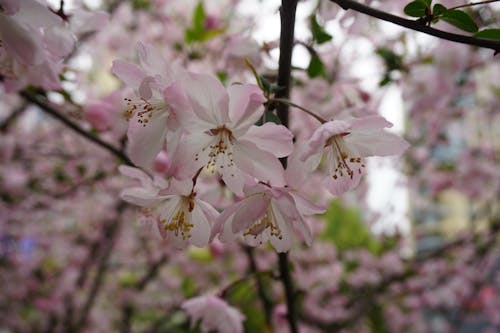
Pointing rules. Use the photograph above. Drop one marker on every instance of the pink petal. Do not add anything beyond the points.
(200, 233)
(276, 139)
(377, 143)
(244, 103)
(145, 142)
(132, 75)
(258, 163)
(175, 96)
(208, 97)
(59, 41)
(370, 122)
(250, 210)
(153, 62)
(318, 139)
(185, 162)
(23, 43)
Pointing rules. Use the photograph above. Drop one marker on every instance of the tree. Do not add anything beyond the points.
(205, 184)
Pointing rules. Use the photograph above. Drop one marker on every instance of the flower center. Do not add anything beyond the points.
(220, 150)
(266, 222)
(144, 109)
(180, 223)
(344, 161)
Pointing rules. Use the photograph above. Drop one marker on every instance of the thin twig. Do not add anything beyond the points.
(9, 120)
(418, 26)
(267, 304)
(52, 111)
(309, 112)
(473, 4)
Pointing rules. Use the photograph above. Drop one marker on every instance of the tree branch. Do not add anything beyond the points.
(287, 15)
(267, 304)
(418, 26)
(52, 111)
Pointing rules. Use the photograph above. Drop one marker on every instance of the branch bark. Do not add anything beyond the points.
(418, 26)
(287, 14)
(52, 111)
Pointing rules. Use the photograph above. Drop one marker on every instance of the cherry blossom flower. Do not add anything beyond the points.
(148, 112)
(174, 213)
(221, 135)
(266, 214)
(345, 144)
(215, 315)
(34, 42)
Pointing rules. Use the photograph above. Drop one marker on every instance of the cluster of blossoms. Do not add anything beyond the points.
(204, 127)
(35, 40)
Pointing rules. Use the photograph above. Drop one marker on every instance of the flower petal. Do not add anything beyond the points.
(376, 143)
(244, 103)
(146, 140)
(132, 75)
(318, 139)
(276, 139)
(258, 163)
(190, 155)
(208, 97)
(200, 233)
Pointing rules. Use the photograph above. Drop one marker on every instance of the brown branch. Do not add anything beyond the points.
(287, 15)
(9, 120)
(473, 4)
(45, 105)
(418, 26)
(110, 232)
(267, 303)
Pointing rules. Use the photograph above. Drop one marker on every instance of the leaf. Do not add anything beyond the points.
(199, 17)
(438, 9)
(488, 34)
(316, 67)
(198, 33)
(416, 8)
(319, 34)
(460, 20)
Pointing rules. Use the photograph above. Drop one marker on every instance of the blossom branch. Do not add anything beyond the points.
(289, 103)
(52, 111)
(267, 303)
(473, 4)
(287, 14)
(9, 120)
(416, 25)
(110, 231)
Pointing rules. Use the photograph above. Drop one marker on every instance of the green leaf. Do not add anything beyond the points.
(319, 34)
(488, 34)
(416, 8)
(460, 20)
(316, 67)
(199, 17)
(197, 32)
(438, 9)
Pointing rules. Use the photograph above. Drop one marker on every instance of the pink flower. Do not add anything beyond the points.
(148, 112)
(266, 214)
(345, 143)
(221, 135)
(34, 43)
(175, 213)
(215, 315)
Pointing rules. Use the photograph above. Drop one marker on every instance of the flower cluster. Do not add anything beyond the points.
(204, 127)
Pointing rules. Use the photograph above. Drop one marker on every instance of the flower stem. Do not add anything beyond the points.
(309, 112)
(473, 4)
